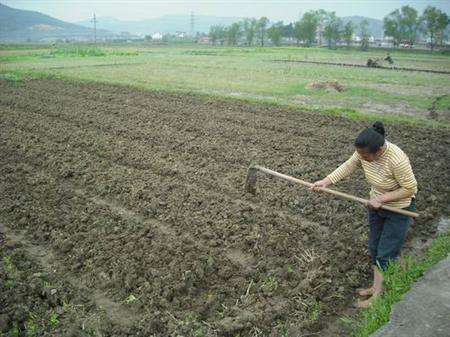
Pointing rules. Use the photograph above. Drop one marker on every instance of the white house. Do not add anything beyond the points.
(157, 36)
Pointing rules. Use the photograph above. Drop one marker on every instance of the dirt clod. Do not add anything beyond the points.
(327, 85)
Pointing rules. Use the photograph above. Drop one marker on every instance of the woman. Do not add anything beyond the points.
(388, 171)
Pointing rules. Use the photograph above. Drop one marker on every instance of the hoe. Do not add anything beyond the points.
(250, 186)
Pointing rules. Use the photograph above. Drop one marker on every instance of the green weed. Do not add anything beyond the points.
(8, 264)
(54, 319)
(270, 284)
(398, 279)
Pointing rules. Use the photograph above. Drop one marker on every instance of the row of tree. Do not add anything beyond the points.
(405, 24)
(305, 31)
(317, 26)
(250, 30)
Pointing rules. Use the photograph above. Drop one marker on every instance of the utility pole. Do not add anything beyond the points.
(192, 22)
(94, 20)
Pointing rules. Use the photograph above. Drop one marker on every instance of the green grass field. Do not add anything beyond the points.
(250, 73)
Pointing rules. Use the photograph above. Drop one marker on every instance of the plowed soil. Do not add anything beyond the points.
(137, 197)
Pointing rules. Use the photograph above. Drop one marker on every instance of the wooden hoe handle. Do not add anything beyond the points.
(330, 191)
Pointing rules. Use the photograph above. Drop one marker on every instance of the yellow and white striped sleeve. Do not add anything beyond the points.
(346, 168)
(403, 173)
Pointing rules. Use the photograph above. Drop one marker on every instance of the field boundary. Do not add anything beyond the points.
(96, 65)
(349, 113)
(354, 65)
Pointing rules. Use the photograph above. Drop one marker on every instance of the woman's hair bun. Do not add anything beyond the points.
(379, 127)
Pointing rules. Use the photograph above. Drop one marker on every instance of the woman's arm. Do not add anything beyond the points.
(344, 170)
(397, 194)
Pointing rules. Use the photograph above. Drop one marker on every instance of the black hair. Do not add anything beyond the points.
(371, 139)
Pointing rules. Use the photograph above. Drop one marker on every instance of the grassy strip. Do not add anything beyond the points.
(398, 279)
(353, 114)
(79, 51)
(358, 115)
(68, 51)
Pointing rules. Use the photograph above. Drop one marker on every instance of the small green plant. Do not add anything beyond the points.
(54, 319)
(290, 269)
(9, 284)
(130, 299)
(8, 264)
(221, 313)
(67, 306)
(315, 311)
(31, 326)
(282, 328)
(269, 284)
(48, 285)
(189, 318)
(15, 330)
(199, 332)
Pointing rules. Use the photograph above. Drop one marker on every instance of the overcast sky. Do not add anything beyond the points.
(71, 10)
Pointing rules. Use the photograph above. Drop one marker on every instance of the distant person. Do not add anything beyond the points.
(388, 171)
(389, 59)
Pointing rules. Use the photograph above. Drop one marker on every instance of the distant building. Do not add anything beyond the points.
(357, 38)
(157, 36)
(181, 35)
(204, 40)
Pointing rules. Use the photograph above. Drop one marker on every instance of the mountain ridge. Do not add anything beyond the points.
(18, 25)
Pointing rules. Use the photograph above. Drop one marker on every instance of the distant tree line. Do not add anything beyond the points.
(405, 25)
(318, 26)
(304, 31)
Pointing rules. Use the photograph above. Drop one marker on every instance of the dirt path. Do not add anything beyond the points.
(140, 196)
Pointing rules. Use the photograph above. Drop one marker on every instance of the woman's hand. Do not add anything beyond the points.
(320, 183)
(375, 203)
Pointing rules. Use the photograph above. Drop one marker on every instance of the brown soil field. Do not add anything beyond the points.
(124, 213)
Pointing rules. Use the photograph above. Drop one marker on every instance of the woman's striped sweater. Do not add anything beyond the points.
(391, 171)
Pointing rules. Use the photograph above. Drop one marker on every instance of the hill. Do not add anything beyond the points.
(22, 25)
